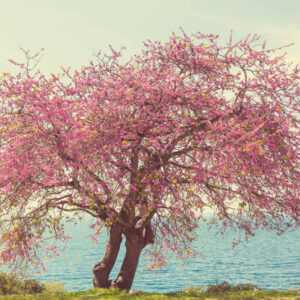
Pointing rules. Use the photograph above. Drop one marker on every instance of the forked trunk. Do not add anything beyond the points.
(134, 245)
(136, 240)
(102, 270)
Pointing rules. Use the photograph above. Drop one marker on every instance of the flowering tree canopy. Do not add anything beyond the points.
(146, 146)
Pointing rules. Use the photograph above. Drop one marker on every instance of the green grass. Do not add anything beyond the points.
(191, 293)
(13, 288)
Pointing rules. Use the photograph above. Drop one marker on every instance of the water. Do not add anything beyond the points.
(267, 260)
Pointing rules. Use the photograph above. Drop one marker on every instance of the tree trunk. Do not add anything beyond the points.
(136, 240)
(102, 270)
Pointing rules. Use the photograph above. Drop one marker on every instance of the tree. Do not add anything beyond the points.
(146, 146)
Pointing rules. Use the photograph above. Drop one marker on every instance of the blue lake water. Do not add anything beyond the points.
(267, 260)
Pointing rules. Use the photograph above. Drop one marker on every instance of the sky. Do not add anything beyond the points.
(71, 31)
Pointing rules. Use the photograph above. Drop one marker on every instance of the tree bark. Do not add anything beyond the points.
(136, 240)
(102, 270)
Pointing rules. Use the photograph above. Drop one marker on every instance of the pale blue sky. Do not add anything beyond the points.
(71, 30)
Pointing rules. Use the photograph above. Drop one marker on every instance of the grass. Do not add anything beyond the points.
(13, 288)
(191, 293)
(54, 286)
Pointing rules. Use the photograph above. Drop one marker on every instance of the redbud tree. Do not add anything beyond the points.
(146, 147)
